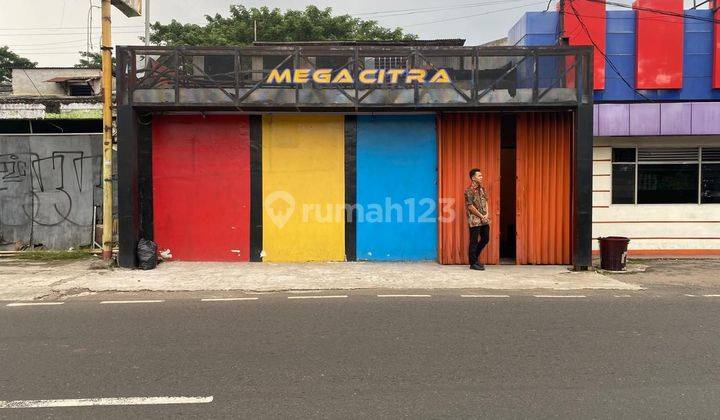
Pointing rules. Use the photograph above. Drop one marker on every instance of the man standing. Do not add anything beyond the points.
(478, 218)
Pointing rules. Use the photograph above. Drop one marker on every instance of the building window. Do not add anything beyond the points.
(679, 175)
(388, 63)
(710, 170)
(667, 183)
(623, 176)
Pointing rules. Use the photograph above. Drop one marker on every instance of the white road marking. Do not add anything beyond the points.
(116, 302)
(560, 296)
(691, 295)
(404, 296)
(485, 296)
(622, 296)
(227, 299)
(34, 304)
(89, 402)
(711, 295)
(318, 297)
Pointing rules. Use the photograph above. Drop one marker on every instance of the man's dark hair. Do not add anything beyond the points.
(473, 171)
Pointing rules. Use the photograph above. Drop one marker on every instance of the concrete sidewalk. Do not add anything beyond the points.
(24, 280)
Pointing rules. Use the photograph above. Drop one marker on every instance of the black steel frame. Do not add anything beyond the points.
(238, 88)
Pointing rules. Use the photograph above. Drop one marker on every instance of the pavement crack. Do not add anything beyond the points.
(65, 294)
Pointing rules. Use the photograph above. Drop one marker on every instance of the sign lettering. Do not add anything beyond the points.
(368, 76)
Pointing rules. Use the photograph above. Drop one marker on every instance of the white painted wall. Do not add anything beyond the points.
(651, 226)
(21, 111)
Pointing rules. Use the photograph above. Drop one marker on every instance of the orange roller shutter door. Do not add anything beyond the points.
(467, 141)
(544, 182)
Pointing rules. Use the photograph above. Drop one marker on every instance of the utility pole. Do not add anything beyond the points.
(147, 22)
(107, 172)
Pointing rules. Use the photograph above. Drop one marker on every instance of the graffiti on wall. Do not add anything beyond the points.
(48, 189)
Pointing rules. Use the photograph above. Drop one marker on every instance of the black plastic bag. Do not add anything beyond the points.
(147, 254)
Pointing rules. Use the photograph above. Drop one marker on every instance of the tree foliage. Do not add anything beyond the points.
(311, 24)
(8, 60)
(91, 60)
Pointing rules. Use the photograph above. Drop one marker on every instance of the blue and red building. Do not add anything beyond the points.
(656, 150)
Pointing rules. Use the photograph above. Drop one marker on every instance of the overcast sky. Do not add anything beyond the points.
(51, 32)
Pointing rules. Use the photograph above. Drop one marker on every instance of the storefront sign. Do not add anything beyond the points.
(368, 76)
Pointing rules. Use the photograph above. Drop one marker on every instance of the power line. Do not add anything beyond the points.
(652, 10)
(607, 59)
(475, 15)
(405, 12)
(635, 17)
(65, 27)
(414, 9)
(49, 43)
(67, 33)
(52, 53)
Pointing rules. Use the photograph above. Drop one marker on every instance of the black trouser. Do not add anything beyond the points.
(476, 246)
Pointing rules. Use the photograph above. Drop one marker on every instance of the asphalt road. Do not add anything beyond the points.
(445, 356)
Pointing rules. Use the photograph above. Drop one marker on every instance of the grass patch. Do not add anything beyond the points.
(53, 255)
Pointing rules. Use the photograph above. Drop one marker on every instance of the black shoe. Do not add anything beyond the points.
(477, 267)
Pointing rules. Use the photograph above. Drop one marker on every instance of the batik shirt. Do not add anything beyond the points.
(476, 196)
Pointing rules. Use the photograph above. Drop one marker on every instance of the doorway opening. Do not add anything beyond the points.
(508, 178)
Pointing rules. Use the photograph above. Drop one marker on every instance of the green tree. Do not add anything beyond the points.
(8, 60)
(91, 60)
(311, 24)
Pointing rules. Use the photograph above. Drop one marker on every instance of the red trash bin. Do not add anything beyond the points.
(613, 253)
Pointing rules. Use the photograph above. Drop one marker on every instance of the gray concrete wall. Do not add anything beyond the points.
(33, 82)
(48, 184)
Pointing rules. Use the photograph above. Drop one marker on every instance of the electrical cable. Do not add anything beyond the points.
(67, 27)
(634, 17)
(385, 14)
(33, 83)
(598, 49)
(475, 15)
(53, 53)
(49, 43)
(658, 11)
(447, 6)
(70, 33)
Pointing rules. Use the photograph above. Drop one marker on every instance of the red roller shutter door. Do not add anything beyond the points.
(201, 187)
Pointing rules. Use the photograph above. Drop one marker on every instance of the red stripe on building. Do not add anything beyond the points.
(716, 47)
(592, 15)
(659, 44)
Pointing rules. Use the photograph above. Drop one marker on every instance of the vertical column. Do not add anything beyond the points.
(256, 186)
(582, 188)
(351, 125)
(128, 191)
